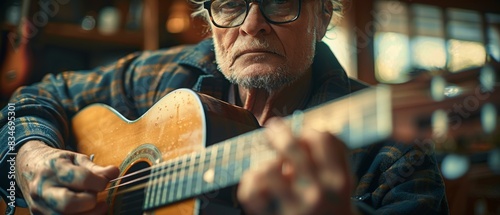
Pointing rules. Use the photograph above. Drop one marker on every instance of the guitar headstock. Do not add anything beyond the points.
(457, 111)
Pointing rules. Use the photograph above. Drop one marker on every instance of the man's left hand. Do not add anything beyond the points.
(310, 176)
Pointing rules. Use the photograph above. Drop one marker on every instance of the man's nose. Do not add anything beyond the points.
(255, 22)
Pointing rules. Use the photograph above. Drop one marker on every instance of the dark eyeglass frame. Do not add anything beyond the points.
(208, 6)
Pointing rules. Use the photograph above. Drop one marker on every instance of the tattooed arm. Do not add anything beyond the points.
(43, 111)
(55, 181)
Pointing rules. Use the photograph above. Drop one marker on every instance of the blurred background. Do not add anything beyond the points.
(377, 41)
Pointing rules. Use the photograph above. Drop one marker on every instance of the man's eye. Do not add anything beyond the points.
(280, 1)
(232, 5)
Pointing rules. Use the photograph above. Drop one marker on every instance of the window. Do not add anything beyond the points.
(416, 37)
(493, 47)
(342, 44)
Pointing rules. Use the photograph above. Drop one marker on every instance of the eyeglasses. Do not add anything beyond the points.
(232, 13)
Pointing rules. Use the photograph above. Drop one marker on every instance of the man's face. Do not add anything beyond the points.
(258, 54)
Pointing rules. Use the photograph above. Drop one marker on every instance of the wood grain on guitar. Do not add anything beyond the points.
(166, 159)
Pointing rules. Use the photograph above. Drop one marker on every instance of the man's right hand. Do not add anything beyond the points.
(55, 181)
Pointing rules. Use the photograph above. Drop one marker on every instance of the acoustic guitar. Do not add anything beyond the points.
(178, 151)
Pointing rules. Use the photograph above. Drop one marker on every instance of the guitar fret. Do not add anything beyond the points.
(174, 181)
(201, 167)
(182, 177)
(190, 176)
(233, 157)
(255, 153)
(360, 119)
(170, 180)
(220, 167)
(165, 183)
(246, 158)
(240, 149)
(147, 198)
(209, 174)
(228, 161)
(216, 167)
(156, 176)
(355, 125)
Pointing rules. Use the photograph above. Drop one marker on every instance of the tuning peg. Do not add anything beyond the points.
(454, 166)
(452, 91)
(438, 85)
(440, 123)
(488, 118)
(440, 89)
(487, 78)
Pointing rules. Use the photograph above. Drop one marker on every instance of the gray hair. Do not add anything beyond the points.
(199, 10)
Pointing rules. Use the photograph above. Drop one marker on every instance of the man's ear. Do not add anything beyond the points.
(325, 18)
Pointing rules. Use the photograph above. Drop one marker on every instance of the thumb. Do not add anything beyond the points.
(109, 172)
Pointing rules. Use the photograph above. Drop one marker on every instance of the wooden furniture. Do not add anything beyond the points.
(142, 24)
(67, 35)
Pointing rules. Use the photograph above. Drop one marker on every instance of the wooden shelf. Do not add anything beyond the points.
(7, 27)
(74, 34)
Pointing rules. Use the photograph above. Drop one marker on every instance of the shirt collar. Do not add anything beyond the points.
(201, 57)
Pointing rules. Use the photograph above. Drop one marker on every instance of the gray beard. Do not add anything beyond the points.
(270, 82)
(281, 76)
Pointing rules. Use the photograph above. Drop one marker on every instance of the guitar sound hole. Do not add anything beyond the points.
(129, 198)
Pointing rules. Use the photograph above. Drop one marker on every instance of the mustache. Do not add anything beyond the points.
(255, 45)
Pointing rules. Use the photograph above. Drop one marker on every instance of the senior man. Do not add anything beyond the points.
(264, 55)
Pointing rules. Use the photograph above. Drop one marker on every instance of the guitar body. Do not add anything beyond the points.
(176, 125)
(180, 123)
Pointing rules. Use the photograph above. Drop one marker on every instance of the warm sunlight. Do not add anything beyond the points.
(392, 57)
(465, 54)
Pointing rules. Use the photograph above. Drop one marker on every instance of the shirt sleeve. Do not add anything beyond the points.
(42, 111)
(402, 179)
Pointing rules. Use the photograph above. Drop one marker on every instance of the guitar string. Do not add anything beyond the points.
(171, 163)
(168, 176)
(131, 205)
(138, 200)
(171, 167)
(136, 203)
(168, 172)
(198, 168)
(268, 156)
(171, 172)
(255, 158)
(245, 136)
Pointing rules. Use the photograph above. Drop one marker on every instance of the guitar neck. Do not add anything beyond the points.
(359, 119)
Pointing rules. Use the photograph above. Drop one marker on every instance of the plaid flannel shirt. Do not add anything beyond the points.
(392, 178)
